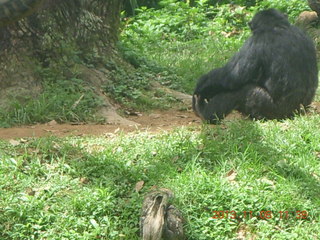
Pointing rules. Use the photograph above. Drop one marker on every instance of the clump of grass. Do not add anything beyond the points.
(63, 101)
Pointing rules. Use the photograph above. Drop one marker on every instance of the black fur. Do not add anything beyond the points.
(274, 73)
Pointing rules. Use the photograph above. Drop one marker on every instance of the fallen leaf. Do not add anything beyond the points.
(175, 159)
(131, 113)
(30, 192)
(231, 175)
(244, 233)
(14, 142)
(139, 186)
(46, 208)
(154, 115)
(315, 175)
(84, 180)
(267, 181)
(154, 187)
(51, 131)
(94, 223)
(53, 122)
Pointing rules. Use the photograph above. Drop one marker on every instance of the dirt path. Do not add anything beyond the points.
(156, 121)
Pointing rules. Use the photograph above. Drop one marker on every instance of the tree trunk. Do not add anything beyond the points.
(315, 5)
(110, 10)
(13, 10)
(68, 14)
(56, 42)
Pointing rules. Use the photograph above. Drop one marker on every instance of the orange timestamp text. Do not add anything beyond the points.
(263, 215)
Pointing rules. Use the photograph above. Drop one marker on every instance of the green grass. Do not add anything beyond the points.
(187, 60)
(84, 187)
(190, 41)
(192, 59)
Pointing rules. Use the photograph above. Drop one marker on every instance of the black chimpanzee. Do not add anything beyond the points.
(273, 74)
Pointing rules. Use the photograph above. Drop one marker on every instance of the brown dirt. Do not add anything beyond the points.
(154, 122)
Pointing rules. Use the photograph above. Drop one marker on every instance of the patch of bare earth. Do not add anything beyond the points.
(157, 121)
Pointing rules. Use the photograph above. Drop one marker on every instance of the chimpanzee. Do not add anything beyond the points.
(271, 77)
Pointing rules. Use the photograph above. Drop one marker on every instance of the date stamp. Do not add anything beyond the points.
(261, 215)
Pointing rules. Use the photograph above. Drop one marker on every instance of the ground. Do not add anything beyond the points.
(156, 121)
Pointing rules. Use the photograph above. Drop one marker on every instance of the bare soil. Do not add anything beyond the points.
(156, 121)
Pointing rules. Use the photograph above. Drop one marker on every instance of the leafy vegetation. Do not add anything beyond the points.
(133, 89)
(84, 187)
(65, 99)
(191, 40)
